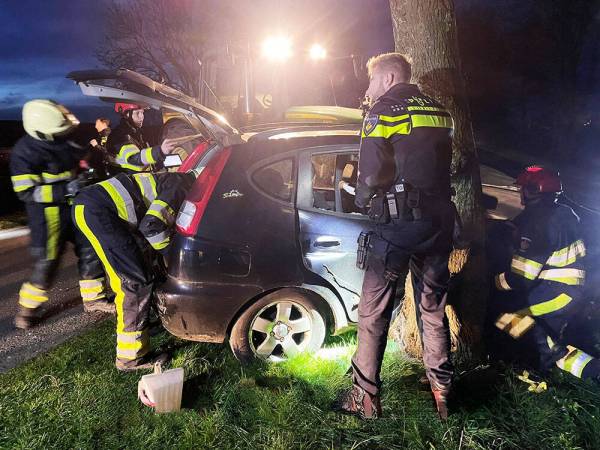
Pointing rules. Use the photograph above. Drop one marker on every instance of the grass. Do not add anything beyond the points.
(73, 397)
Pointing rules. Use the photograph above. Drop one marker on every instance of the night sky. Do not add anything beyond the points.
(44, 40)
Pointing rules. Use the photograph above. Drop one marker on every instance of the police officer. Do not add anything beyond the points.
(541, 291)
(128, 146)
(404, 174)
(43, 165)
(121, 217)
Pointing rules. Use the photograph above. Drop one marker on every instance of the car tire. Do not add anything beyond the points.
(279, 325)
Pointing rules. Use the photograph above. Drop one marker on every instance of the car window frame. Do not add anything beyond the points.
(265, 162)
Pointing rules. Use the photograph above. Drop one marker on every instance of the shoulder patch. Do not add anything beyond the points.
(370, 123)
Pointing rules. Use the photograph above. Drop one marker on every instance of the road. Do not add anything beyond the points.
(65, 312)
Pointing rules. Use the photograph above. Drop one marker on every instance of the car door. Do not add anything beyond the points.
(328, 230)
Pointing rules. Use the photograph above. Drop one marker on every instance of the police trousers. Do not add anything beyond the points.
(424, 247)
(122, 256)
(51, 227)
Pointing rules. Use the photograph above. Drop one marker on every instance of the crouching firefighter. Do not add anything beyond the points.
(121, 217)
(42, 166)
(404, 173)
(543, 288)
(128, 146)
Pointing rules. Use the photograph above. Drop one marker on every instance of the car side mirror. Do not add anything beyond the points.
(489, 202)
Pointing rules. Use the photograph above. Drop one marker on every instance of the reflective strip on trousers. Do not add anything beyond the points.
(31, 296)
(163, 211)
(92, 290)
(574, 362)
(147, 185)
(56, 177)
(567, 255)
(53, 231)
(132, 345)
(547, 307)
(527, 268)
(571, 277)
(160, 240)
(121, 198)
(43, 194)
(23, 182)
(146, 156)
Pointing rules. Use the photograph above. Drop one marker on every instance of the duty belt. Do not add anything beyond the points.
(405, 201)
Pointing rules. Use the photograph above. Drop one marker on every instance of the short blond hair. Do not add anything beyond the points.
(392, 62)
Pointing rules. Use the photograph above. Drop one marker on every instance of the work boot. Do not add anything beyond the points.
(28, 317)
(145, 362)
(102, 305)
(440, 396)
(359, 402)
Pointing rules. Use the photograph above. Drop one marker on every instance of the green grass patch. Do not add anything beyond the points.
(73, 397)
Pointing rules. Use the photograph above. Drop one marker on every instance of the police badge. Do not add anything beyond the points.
(370, 123)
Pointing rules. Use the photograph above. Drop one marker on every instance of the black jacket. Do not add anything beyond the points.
(131, 151)
(406, 138)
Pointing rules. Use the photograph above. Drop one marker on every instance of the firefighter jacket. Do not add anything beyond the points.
(548, 264)
(148, 202)
(406, 138)
(131, 152)
(40, 170)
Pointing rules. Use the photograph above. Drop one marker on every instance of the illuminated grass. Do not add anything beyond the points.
(72, 397)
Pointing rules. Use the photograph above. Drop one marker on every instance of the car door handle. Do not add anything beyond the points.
(327, 242)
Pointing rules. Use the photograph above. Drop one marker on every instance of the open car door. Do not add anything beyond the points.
(126, 85)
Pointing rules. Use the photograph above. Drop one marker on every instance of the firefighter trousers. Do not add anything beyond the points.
(123, 259)
(424, 247)
(51, 227)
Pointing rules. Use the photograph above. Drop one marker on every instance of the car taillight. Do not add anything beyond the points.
(192, 160)
(192, 209)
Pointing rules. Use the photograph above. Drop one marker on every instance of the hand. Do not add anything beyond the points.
(94, 143)
(167, 146)
(341, 185)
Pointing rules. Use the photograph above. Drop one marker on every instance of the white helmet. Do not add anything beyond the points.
(45, 119)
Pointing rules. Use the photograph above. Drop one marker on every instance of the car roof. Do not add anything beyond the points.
(289, 131)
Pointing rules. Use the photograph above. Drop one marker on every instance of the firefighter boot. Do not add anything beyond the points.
(440, 396)
(101, 305)
(145, 362)
(358, 402)
(28, 317)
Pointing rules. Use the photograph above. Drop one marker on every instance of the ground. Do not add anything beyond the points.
(73, 397)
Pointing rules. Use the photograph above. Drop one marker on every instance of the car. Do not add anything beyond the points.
(264, 253)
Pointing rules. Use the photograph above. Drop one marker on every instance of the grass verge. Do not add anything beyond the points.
(73, 397)
(12, 220)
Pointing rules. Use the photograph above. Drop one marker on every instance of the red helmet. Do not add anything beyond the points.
(539, 180)
(122, 108)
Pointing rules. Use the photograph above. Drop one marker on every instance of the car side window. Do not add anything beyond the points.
(276, 179)
(323, 177)
(328, 173)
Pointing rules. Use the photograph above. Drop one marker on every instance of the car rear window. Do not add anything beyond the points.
(276, 179)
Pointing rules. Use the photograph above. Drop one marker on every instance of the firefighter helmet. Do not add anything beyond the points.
(122, 108)
(45, 119)
(539, 180)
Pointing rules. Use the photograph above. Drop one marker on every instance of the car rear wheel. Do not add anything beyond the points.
(278, 326)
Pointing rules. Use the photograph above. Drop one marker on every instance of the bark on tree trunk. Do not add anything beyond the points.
(425, 30)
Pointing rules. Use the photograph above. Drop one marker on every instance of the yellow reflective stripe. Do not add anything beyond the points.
(132, 345)
(159, 241)
(113, 278)
(26, 176)
(43, 194)
(547, 307)
(393, 118)
(574, 362)
(55, 177)
(121, 198)
(501, 283)
(527, 268)
(132, 167)
(53, 229)
(567, 255)
(571, 277)
(426, 108)
(92, 283)
(146, 156)
(147, 185)
(423, 120)
(162, 210)
(31, 297)
(384, 131)
(23, 182)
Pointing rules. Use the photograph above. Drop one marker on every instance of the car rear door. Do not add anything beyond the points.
(328, 225)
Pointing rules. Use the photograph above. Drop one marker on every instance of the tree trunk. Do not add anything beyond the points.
(425, 30)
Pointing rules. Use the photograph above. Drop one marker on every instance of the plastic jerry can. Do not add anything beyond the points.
(162, 390)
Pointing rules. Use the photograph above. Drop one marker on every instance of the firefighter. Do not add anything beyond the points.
(43, 165)
(102, 126)
(542, 290)
(128, 146)
(124, 217)
(404, 174)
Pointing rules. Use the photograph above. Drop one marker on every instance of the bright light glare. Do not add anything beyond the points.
(332, 353)
(277, 48)
(317, 52)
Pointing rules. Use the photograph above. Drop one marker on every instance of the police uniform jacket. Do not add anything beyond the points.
(549, 262)
(131, 152)
(406, 138)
